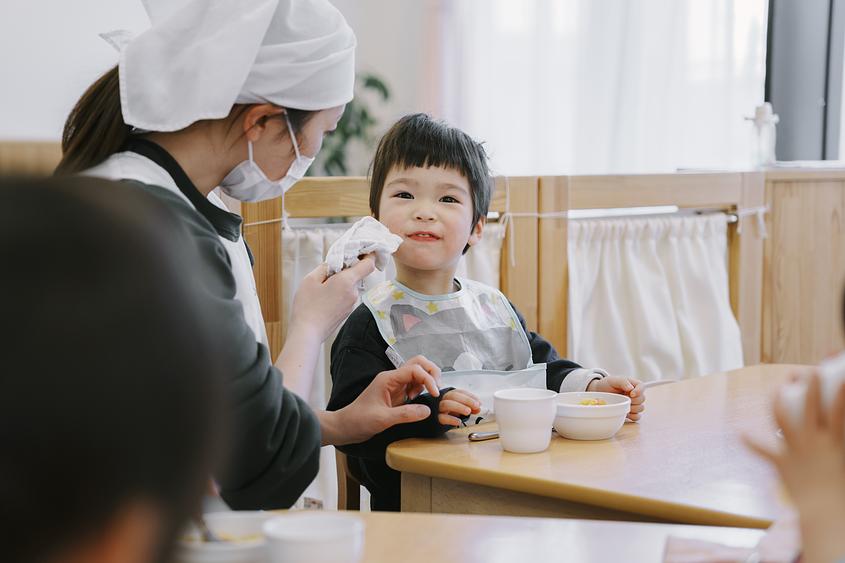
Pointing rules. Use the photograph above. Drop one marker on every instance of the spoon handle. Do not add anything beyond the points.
(205, 532)
(481, 436)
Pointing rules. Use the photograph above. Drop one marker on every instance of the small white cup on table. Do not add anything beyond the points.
(314, 537)
(525, 417)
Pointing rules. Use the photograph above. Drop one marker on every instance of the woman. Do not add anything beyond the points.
(239, 95)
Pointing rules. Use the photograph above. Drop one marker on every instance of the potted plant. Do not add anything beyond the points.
(356, 126)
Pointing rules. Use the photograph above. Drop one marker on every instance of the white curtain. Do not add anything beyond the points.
(605, 86)
(303, 249)
(649, 297)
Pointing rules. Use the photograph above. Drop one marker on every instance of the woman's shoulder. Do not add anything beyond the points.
(191, 218)
(183, 218)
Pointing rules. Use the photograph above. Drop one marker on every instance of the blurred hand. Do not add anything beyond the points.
(812, 461)
(811, 464)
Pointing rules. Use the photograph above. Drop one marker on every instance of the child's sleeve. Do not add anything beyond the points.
(561, 375)
(357, 356)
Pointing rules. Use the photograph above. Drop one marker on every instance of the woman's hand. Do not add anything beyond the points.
(321, 303)
(623, 386)
(319, 306)
(457, 403)
(382, 404)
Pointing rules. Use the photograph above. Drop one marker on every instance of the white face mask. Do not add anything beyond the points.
(247, 182)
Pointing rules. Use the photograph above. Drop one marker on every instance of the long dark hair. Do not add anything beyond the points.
(95, 129)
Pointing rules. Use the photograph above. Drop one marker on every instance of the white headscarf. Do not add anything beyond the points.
(200, 57)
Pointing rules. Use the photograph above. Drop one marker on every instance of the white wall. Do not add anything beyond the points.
(50, 53)
(394, 42)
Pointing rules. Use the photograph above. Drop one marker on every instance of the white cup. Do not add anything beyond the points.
(314, 537)
(525, 417)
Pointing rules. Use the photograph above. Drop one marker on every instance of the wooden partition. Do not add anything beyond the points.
(804, 265)
(785, 291)
(536, 281)
(38, 158)
(349, 197)
(721, 191)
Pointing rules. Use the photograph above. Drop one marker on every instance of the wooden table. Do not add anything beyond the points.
(423, 538)
(683, 463)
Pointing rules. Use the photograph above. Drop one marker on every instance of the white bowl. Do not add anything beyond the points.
(593, 422)
(315, 537)
(242, 527)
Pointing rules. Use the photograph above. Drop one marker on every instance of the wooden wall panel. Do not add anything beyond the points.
(349, 197)
(804, 265)
(30, 157)
(519, 278)
(745, 268)
(710, 190)
(265, 241)
(553, 265)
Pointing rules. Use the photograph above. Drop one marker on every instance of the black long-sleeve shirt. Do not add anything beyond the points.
(274, 435)
(358, 355)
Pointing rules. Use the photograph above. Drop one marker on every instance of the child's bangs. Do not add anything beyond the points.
(433, 152)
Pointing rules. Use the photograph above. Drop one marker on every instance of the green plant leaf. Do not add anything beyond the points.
(356, 126)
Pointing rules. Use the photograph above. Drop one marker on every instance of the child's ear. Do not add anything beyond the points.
(477, 231)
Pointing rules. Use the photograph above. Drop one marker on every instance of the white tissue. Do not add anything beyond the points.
(364, 237)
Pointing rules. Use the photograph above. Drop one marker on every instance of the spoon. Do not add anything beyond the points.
(481, 436)
(205, 532)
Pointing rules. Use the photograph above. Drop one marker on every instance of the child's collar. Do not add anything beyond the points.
(423, 297)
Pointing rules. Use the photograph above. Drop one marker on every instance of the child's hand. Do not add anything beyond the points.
(811, 465)
(623, 386)
(457, 403)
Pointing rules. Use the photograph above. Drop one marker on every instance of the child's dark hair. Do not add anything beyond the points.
(418, 140)
(110, 390)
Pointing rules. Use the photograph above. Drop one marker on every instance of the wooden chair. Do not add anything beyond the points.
(348, 486)
(349, 197)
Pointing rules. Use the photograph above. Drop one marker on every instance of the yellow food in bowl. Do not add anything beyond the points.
(226, 538)
(240, 539)
(592, 402)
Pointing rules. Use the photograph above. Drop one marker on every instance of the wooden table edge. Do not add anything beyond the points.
(665, 510)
